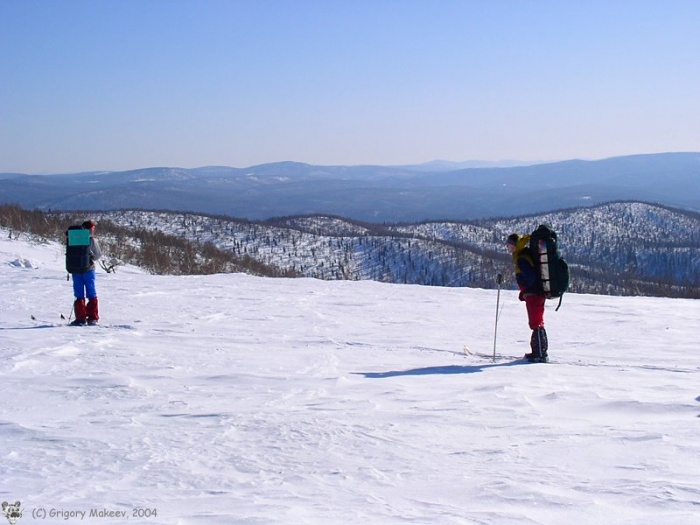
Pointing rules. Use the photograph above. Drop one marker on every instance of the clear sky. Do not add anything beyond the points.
(122, 84)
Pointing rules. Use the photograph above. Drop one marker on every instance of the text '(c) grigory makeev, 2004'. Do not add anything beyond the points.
(67, 515)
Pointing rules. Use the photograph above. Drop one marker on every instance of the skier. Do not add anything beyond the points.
(530, 292)
(84, 284)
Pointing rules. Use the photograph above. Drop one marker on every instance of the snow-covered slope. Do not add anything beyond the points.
(231, 399)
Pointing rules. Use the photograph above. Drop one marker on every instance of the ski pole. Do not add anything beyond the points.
(499, 280)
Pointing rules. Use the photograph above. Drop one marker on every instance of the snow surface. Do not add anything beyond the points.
(232, 399)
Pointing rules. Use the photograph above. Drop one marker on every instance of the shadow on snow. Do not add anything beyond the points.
(444, 370)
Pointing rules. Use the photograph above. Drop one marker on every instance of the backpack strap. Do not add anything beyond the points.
(558, 305)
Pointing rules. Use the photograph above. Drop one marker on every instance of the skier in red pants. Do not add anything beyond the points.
(530, 292)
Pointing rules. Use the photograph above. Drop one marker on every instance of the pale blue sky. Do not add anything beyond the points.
(123, 84)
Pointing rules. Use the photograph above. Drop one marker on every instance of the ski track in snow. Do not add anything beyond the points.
(235, 399)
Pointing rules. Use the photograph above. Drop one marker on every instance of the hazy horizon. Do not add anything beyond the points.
(106, 85)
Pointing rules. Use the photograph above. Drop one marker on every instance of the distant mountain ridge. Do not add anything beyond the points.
(369, 193)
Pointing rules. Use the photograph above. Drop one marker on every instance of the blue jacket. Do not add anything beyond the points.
(527, 276)
(525, 270)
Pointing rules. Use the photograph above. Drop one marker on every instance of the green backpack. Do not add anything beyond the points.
(78, 258)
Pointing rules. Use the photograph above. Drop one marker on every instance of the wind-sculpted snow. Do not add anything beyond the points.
(231, 399)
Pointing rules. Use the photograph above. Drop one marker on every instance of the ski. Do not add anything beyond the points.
(501, 357)
(43, 323)
(48, 324)
(497, 357)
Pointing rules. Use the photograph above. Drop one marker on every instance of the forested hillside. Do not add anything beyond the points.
(617, 248)
(622, 248)
(150, 249)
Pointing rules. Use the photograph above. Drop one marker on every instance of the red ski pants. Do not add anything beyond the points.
(535, 311)
(86, 311)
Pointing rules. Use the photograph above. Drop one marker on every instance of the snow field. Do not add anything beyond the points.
(235, 399)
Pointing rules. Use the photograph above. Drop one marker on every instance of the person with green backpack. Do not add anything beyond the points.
(82, 250)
